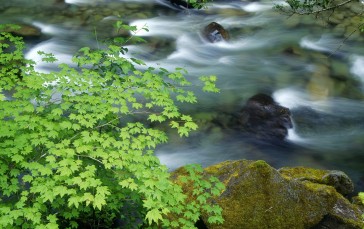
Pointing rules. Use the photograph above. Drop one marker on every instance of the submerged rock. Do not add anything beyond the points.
(259, 196)
(214, 32)
(265, 118)
(25, 30)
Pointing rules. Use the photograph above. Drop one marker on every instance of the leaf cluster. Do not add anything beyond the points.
(198, 4)
(200, 189)
(12, 60)
(77, 145)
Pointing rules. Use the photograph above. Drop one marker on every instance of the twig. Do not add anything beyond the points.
(97, 160)
(345, 39)
(323, 9)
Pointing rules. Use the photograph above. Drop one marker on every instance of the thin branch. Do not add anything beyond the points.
(97, 160)
(108, 123)
(135, 33)
(97, 40)
(345, 39)
(323, 9)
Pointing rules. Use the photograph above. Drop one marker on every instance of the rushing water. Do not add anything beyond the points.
(302, 61)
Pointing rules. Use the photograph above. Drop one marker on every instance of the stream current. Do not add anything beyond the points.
(313, 66)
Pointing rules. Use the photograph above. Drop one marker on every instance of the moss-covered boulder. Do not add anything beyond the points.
(337, 179)
(259, 196)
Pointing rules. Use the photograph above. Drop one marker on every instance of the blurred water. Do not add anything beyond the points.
(265, 54)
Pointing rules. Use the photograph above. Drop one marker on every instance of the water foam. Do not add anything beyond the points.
(357, 68)
(50, 46)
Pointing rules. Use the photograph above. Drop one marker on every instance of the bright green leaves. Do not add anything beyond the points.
(129, 183)
(185, 126)
(102, 192)
(203, 188)
(97, 200)
(209, 83)
(136, 137)
(75, 201)
(57, 112)
(198, 3)
(66, 125)
(11, 57)
(153, 216)
(80, 142)
(47, 57)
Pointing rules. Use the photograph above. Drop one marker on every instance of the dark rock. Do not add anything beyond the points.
(265, 118)
(329, 222)
(340, 181)
(214, 32)
(259, 196)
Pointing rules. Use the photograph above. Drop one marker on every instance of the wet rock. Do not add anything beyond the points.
(340, 181)
(320, 85)
(26, 31)
(329, 222)
(337, 179)
(340, 70)
(294, 50)
(214, 32)
(265, 118)
(259, 196)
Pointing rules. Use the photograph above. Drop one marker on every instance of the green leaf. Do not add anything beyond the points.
(17, 158)
(27, 178)
(74, 201)
(129, 183)
(66, 125)
(57, 112)
(60, 190)
(153, 216)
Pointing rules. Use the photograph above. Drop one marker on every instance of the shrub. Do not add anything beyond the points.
(77, 144)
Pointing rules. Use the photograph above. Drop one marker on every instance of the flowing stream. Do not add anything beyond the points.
(314, 66)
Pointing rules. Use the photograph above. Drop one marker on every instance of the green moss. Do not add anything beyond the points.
(259, 164)
(303, 173)
(337, 179)
(258, 196)
(253, 200)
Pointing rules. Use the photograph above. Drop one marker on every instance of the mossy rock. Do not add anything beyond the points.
(337, 179)
(259, 196)
(25, 31)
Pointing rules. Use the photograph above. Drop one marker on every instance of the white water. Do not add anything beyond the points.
(253, 61)
(358, 68)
